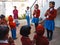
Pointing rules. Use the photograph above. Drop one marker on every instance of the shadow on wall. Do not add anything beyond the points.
(57, 20)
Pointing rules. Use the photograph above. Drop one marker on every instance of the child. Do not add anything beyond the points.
(36, 15)
(3, 20)
(50, 15)
(15, 13)
(27, 16)
(4, 32)
(25, 31)
(13, 27)
(39, 39)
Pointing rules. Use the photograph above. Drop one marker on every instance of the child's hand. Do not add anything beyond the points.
(34, 15)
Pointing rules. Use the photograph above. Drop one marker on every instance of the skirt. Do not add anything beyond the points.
(35, 20)
(49, 24)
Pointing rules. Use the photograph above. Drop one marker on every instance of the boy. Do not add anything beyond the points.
(50, 15)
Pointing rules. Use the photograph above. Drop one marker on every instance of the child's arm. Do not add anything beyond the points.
(53, 15)
(33, 12)
(46, 13)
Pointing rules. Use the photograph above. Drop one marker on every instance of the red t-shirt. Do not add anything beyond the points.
(15, 12)
(26, 41)
(41, 40)
(10, 19)
(12, 24)
(52, 15)
(37, 13)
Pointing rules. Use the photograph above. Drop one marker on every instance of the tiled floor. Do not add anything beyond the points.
(56, 36)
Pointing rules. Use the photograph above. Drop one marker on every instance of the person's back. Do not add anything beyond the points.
(4, 32)
(39, 38)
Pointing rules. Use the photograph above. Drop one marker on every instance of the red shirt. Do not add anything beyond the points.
(15, 12)
(12, 24)
(26, 41)
(4, 44)
(10, 19)
(41, 40)
(37, 13)
(52, 15)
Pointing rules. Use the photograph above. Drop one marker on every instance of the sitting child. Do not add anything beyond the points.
(4, 32)
(39, 39)
(25, 31)
(13, 27)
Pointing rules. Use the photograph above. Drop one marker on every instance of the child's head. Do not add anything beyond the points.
(36, 6)
(27, 8)
(40, 30)
(10, 18)
(25, 30)
(2, 16)
(51, 4)
(4, 30)
(15, 7)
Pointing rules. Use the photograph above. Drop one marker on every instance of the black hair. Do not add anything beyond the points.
(15, 7)
(37, 5)
(4, 30)
(2, 16)
(25, 30)
(52, 2)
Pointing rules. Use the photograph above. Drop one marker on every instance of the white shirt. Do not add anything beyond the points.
(27, 12)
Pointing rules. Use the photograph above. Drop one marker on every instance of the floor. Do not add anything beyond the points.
(56, 36)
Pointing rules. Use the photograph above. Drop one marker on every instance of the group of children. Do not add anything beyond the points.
(39, 38)
(50, 15)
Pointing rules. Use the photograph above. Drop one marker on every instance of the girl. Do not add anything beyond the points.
(39, 39)
(13, 27)
(15, 13)
(27, 16)
(36, 15)
(50, 15)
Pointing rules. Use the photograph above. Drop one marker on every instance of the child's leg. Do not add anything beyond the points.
(51, 34)
(13, 33)
(47, 33)
(36, 24)
(28, 20)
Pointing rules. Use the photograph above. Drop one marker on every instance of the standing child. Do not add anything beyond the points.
(36, 15)
(12, 26)
(15, 13)
(50, 15)
(25, 31)
(39, 39)
(27, 16)
(4, 33)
